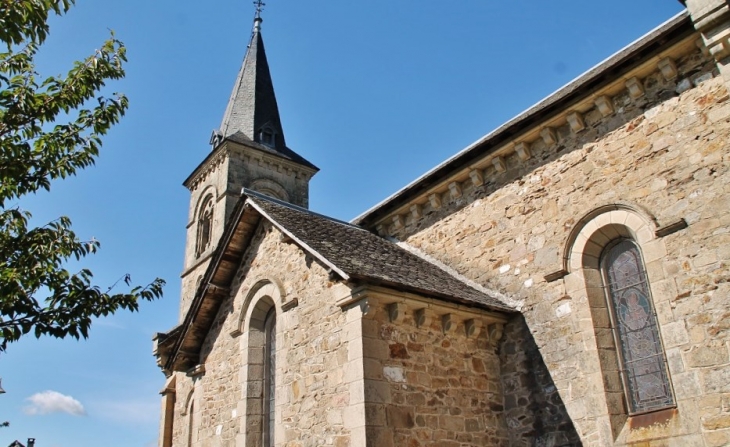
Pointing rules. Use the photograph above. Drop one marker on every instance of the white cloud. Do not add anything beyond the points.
(133, 412)
(53, 402)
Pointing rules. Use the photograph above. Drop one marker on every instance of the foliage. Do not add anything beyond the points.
(50, 129)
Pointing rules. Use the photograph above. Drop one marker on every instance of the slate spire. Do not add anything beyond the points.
(252, 108)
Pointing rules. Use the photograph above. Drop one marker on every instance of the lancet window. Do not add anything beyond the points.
(269, 378)
(641, 355)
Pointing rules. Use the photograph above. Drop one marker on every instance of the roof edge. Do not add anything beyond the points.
(565, 95)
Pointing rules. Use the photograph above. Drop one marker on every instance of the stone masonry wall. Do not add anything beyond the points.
(425, 388)
(534, 411)
(310, 395)
(665, 152)
(212, 183)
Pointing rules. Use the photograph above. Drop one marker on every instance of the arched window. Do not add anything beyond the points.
(269, 378)
(205, 226)
(258, 326)
(641, 356)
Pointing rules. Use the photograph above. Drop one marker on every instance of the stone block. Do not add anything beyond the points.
(674, 334)
(399, 417)
(703, 356)
(715, 380)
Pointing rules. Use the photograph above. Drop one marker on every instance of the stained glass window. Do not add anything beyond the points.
(270, 379)
(646, 382)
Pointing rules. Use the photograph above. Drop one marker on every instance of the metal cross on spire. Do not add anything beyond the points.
(259, 7)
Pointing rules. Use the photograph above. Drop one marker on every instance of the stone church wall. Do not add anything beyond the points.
(428, 388)
(534, 411)
(311, 395)
(665, 153)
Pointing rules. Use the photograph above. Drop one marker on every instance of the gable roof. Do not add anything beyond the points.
(358, 255)
(351, 252)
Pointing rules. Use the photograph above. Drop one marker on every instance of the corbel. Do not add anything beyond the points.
(635, 87)
(421, 317)
(435, 200)
(604, 105)
(416, 211)
(548, 136)
(668, 68)
(397, 222)
(499, 165)
(495, 332)
(477, 179)
(575, 119)
(455, 190)
(472, 327)
(523, 150)
(448, 323)
(397, 312)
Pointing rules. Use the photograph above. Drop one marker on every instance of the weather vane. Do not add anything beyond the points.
(259, 7)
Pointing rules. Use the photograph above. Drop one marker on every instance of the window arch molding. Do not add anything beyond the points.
(588, 243)
(263, 287)
(257, 326)
(600, 226)
(209, 191)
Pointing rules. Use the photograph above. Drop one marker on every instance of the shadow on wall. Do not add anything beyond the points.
(534, 411)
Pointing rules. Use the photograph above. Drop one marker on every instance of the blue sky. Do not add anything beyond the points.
(373, 92)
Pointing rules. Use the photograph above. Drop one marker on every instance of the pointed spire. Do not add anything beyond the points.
(252, 108)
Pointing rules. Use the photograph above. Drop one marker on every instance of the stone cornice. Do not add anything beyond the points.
(252, 154)
(488, 157)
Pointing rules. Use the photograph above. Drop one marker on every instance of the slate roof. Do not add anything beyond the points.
(353, 253)
(252, 104)
(358, 255)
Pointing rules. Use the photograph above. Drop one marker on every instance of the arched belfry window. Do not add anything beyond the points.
(205, 226)
(634, 323)
(269, 378)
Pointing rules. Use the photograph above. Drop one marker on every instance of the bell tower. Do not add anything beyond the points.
(248, 150)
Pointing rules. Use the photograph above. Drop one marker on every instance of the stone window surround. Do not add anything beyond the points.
(583, 249)
(205, 212)
(264, 296)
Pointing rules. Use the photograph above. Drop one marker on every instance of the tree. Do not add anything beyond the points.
(50, 129)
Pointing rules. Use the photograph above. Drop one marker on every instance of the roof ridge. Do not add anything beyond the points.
(251, 193)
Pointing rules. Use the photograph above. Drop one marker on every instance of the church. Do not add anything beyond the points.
(563, 281)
